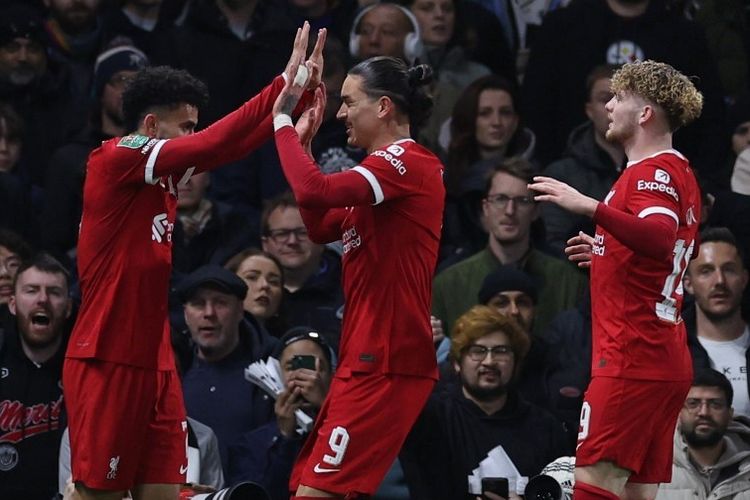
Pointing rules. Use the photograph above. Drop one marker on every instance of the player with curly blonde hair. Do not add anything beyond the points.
(645, 235)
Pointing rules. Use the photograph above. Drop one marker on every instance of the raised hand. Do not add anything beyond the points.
(309, 123)
(310, 384)
(563, 195)
(299, 51)
(437, 330)
(316, 60)
(579, 249)
(287, 402)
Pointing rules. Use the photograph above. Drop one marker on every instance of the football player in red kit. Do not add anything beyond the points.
(387, 211)
(126, 414)
(646, 231)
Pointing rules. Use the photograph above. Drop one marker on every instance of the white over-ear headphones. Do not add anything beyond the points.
(412, 43)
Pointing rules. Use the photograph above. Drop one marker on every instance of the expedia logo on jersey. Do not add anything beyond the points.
(391, 155)
(161, 229)
(598, 247)
(351, 239)
(658, 186)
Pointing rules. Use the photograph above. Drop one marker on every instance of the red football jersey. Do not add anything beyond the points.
(636, 300)
(390, 253)
(124, 244)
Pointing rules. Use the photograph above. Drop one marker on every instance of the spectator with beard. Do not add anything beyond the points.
(711, 450)
(481, 423)
(31, 397)
(63, 202)
(718, 335)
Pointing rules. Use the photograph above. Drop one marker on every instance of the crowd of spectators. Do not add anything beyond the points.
(519, 89)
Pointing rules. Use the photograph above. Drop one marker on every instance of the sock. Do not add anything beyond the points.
(585, 491)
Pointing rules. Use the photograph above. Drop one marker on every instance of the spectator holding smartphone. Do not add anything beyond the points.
(267, 454)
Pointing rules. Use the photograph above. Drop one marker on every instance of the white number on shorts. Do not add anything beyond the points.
(583, 428)
(666, 309)
(338, 442)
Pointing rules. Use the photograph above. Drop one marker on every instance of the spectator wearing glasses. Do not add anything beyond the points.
(483, 420)
(508, 212)
(711, 449)
(312, 272)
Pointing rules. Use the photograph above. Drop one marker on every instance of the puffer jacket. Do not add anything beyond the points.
(690, 483)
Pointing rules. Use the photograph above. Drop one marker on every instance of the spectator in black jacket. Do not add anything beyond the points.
(31, 398)
(481, 427)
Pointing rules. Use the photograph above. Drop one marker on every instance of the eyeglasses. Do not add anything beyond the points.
(501, 201)
(479, 352)
(694, 404)
(11, 264)
(283, 235)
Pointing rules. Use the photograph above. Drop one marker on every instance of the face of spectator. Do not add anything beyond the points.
(487, 378)
(22, 62)
(112, 95)
(382, 31)
(437, 19)
(741, 137)
(264, 285)
(74, 16)
(508, 218)
(9, 264)
(705, 416)
(497, 120)
(288, 241)
(41, 306)
(190, 193)
(596, 106)
(717, 279)
(304, 348)
(168, 123)
(623, 110)
(515, 304)
(213, 318)
(10, 148)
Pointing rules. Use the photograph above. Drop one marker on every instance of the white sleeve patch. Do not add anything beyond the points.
(374, 184)
(152, 161)
(659, 210)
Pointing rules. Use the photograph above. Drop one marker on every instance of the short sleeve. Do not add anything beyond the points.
(392, 172)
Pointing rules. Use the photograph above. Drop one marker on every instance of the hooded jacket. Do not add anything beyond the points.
(587, 168)
(733, 467)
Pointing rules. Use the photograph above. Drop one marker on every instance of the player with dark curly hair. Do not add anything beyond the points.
(126, 413)
(646, 230)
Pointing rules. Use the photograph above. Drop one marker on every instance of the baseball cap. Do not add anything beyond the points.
(111, 61)
(211, 276)
(305, 333)
(504, 279)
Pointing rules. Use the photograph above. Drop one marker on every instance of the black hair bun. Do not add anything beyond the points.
(420, 75)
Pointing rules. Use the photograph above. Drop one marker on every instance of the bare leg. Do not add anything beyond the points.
(306, 491)
(156, 492)
(605, 475)
(640, 491)
(81, 492)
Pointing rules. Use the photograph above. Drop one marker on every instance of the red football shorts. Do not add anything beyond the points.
(359, 432)
(127, 425)
(631, 423)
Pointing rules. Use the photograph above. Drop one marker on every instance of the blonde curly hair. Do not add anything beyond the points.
(663, 85)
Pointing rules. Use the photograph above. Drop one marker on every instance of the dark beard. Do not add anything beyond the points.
(486, 394)
(703, 440)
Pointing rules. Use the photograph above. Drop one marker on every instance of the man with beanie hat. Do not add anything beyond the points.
(63, 200)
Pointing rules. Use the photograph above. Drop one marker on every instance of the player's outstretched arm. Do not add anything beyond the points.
(561, 194)
(243, 130)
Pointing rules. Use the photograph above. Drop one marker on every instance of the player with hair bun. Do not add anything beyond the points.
(387, 211)
(646, 233)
